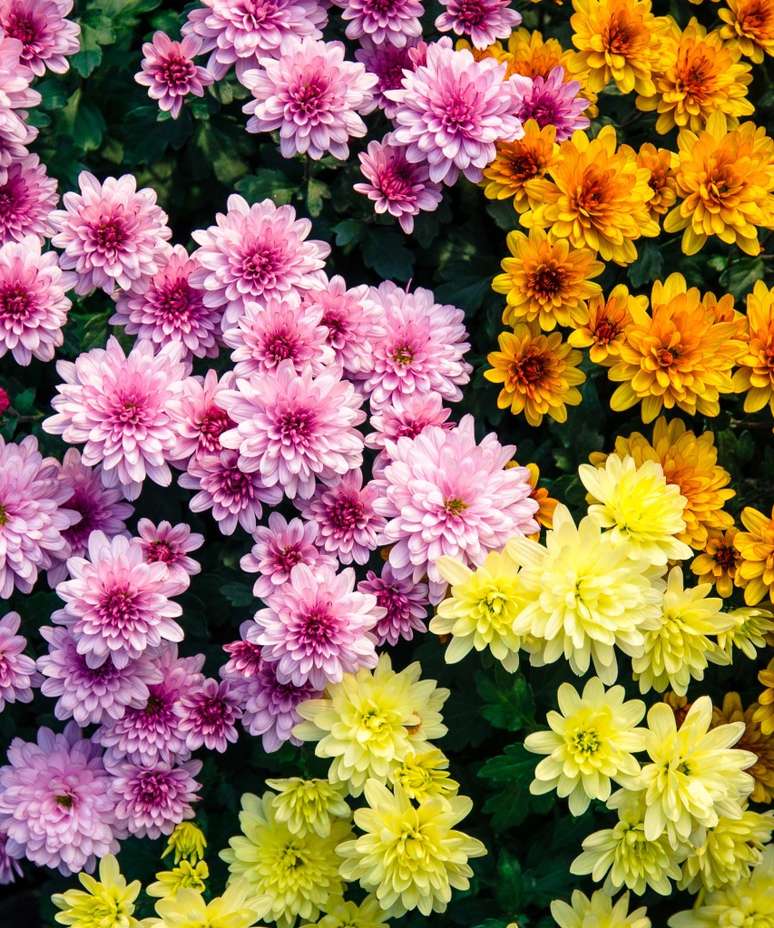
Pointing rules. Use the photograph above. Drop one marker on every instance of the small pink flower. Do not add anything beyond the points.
(171, 545)
(17, 670)
(387, 62)
(551, 101)
(483, 21)
(149, 802)
(27, 198)
(47, 37)
(112, 234)
(169, 72)
(244, 656)
(404, 602)
(197, 418)
(312, 96)
(9, 868)
(5, 400)
(407, 416)
(210, 714)
(391, 22)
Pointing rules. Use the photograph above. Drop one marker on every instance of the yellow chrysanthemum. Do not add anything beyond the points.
(695, 775)
(519, 168)
(539, 373)
(677, 355)
(764, 714)
(677, 647)
(187, 909)
(187, 842)
(755, 375)
(546, 282)
(422, 776)
(756, 547)
(592, 742)
(288, 876)
(604, 330)
(371, 720)
(531, 55)
(750, 25)
(753, 739)
(410, 857)
(184, 876)
(107, 902)
(698, 74)
(599, 911)
(546, 503)
(726, 180)
(750, 632)
(308, 805)
(661, 163)
(718, 561)
(585, 596)
(598, 199)
(368, 914)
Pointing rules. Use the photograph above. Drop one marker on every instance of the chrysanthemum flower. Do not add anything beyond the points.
(764, 714)
(187, 908)
(287, 875)
(546, 504)
(529, 54)
(661, 163)
(197, 418)
(753, 739)
(638, 507)
(17, 670)
(55, 804)
(718, 561)
(47, 37)
(404, 602)
(519, 168)
(598, 911)
(555, 101)
(9, 867)
(539, 373)
(382, 22)
(187, 842)
(756, 548)
(695, 776)
(483, 21)
(387, 62)
(424, 775)
(546, 281)
(184, 876)
(750, 25)
(726, 182)
(308, 805)
(116, 405)
(755, 374)
(598, 198)
(28, 196)
(151, 801)
(341, 914)
(371, 720)
(604, 329)
(170, 544)
(108, 901)
(209, 716)
(169, 72)
(752, 631)
(407, 417)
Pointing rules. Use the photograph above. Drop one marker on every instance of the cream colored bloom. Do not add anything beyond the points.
(752, 626)
(422, 776)
(343, 914)
(598, 912)
(184, 876)
(309, 805)
(187, 909)
(107, 902)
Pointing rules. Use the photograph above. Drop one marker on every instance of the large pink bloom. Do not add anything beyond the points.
(404, 602)
(47, 37)
(197, 417)
(17, 670)
(55, 805)
(171, 544)
(117, 606)
(15, 98)
(112, 234)
(452, 110)
(387, 62)
(312, 96)
(445, 494)
(27, 197)
(116, 405)
(393, 22)
(253, 253)
(169, 72)
(317, 628)
(210, 714)
(149, 802)
(483, 21)
(294, 429)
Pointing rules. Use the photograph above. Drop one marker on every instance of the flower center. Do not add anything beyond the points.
(3, 515)
(471, 13)
(524, 166)
(455, 506)
(236, 484)
(542, 110)
(726, 557)
(528, 371)
(64, 800)
(260, 266)
(130, 410)
(160, 551)
(456, 116)
(176, 72)
(666, 357)
(308, 97)
(335, 325)
(403, 355)
(606, 331)
(586, 741)
(21, 27)
(617, 36)
(292, 857)
(212, 711)
(212, 425)
(754, 21)
(546, 281)
(15, 302)
(150, 787)
(117, 607)
(175, 300)
(346, 514)
(109, 235)
(296, 426)
(318, 626)
(288, 557)
(395, 181)
(279, 346)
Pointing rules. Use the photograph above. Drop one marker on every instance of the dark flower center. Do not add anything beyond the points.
(109, 235)
(295, 425)
(280, 346)
(546, 280)
(174, 300)
(212, 711)
(63, 800)
(260, 265)
(3, 515)
(318, 626)
(160, 551)
(23, 28)
(524, 166)
(471, 13)
(346, 514)
(726, 557)
(606, 331)
(455, 506)
(529, 370)
(15, 302)
(150, 787)
(212, 425)
(117, 607)
(288, 557)
(403, 355)
(176, 73)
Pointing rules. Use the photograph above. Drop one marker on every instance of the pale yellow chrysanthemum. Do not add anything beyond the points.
(625, 856)
(185, 876)
(750, 631)
(592, 741)
(422, 776)
(638, 507)
(585, 596)
(677, 649)
(107, 902)
(290, 876)
(187, 909)
(480, 611)
(410, 857)
(368, 914)
(598, 912)
(187, 842)
(371, 720)
(695, 775)
(309, 805)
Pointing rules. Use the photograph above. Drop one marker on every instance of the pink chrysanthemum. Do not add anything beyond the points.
(552, 102)
(278, 547)
(171, 545)
(445, 494)
(483, 21)
(27, 197)
(33, 305)
(149, 802)
(395, 185)
(312, 96)
(15, 136)
(281, 330)
(422, 348)
(112, 234)
(55, 804)
(404, 602)
(347, 523)
(244, 655)
(197, 418)
(241, 31)
(116, 405)
(383, 22)
(254, 253)
(170, 73)
(117, 605)
(294, 429)
(16, 75)
(91, 695)
(317, 628)
(452, 110)
(235, 497)
(10, 870)
(33, 515)
(48, 38)
(407, 417)
(17, 670)
(387, 62)
(209, 716)
(5, 400)
(167, 309)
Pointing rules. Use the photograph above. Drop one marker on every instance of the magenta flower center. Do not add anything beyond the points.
(470, 13)
(279, 346)
(308, 96)
(129, 410)
(21, 27)
(346, 514)
(174, 300)
(410, 428)
(176, 72)
(160, 551)
(117, 608)
(335, 324)
(212, 712)
(236, 484)
(543, 110)
(395, 182)
(15, 302)
(109, 235)
(457, 115)
(295, 426)
(318, 628)
(403, 355)
(260, 265)
(245, 657)
(150, 787)
(288, 557)
(214, 422)
(158, 708)
(393, 600)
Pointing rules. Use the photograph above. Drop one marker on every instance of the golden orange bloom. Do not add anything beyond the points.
(718, 562)
(599, 197)
(753, 739)
(519, 167)
(764, 714)
(495, 50)
(755, 375)
(698, 74)
(724, 310)
(546, 504)
(539, 374)
(750, 24)
(756, 547)
(546, 281)
(661, 163)
(604, 330)
(675, 356)
(727, 179)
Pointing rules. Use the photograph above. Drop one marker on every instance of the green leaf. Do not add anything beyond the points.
(510, 774)
(507, 699)
(740, 276)
(647, 267)
(316, 192)
(238, 594)
(348, 232)
(267, 183)
(385, 252)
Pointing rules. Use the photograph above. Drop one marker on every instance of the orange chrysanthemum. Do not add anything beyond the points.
(764, 714)
(756, 547)
(755, 376)
(539, 374)
(698, 75)
(519, 167)
(546, 281)
(718, 562)
(604, 330)
(675, 356)
(599, 197)
(750, 25)
(661, 163)
(727, 179)
(753, 739)
(546, 504)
